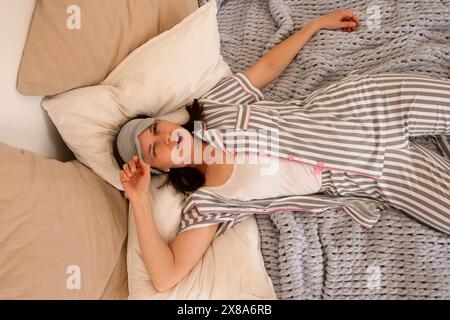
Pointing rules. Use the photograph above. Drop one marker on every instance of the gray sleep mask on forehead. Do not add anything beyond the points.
(128, 143)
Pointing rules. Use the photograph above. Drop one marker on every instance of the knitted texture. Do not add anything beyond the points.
(394, 36)
(328, 255)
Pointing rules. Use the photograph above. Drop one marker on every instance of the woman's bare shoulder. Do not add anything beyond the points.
(218, 174)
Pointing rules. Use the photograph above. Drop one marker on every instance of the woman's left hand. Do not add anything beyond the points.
(338, 19)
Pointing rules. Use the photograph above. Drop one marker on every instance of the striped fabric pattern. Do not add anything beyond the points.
(336, 138)
(415, 180)
(345, 130)
(443, 145)
(205, 207)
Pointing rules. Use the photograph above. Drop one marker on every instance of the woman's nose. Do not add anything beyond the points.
(167, 139)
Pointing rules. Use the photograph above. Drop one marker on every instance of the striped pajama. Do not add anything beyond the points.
(355, 132)
(415, 180)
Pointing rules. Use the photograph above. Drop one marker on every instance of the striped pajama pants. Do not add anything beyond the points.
(415, 180)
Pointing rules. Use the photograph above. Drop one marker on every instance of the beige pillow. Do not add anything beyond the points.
(58, 56)
(57, 217)
(161, 76)
(231, 268)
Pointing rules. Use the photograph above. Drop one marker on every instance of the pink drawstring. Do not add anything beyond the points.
(319, 168)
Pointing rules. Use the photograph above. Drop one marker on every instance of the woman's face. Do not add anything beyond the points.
(159, 144)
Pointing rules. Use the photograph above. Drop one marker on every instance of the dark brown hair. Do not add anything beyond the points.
(184, 179)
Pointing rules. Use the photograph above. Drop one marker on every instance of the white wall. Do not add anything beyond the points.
(23, 122)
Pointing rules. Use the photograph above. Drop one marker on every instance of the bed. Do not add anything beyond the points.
(326, 256)
(50, 243)
(67, 231)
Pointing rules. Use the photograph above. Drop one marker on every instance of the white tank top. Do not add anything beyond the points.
(269, 177)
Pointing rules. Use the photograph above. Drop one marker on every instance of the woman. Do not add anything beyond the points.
(346, 139)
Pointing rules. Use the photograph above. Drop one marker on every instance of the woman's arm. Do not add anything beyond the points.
(166, 264)
(274, 62)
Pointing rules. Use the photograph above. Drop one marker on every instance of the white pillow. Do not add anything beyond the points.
(231, 268)
(161, 76)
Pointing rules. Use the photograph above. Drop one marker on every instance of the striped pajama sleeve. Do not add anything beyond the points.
(204, 208)
(236, 89)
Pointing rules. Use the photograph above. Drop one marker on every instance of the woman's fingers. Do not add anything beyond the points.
(348, 29)
(132, 166)
(355, 18)
(123, 176)
(126, 168)
(355, 26)
(145, 167)
(348, 24)
(350, 15)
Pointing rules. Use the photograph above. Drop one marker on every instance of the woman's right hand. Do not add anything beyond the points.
(135, 178)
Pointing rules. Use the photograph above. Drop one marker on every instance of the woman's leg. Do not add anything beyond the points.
(414, 106)
(417, 181)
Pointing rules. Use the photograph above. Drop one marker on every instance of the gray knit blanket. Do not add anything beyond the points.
(328, 255)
